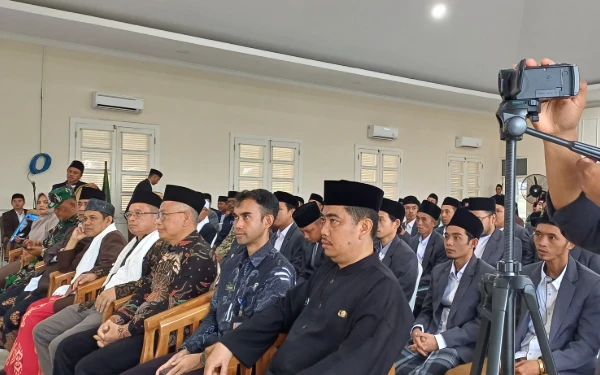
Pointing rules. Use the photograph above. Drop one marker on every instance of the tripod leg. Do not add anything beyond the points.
(481, 347)
(538, 326)
(508, 345)
(499, 302)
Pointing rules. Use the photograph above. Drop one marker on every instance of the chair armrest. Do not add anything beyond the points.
(262, 365)
(40, 267)
(178, 322)
(152, 323)
(114, 307)
(89, 291)
(14, 254)
(57, 279)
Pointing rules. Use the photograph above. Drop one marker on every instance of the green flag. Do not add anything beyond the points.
(105, 183)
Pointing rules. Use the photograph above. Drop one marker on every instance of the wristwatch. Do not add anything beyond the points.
(542, 366)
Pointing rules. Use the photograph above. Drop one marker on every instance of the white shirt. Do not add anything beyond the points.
(483, 240)
(409, 226)
(281, 236)
(421, 248)
(547, 291)
(21, 216)
(447, 299)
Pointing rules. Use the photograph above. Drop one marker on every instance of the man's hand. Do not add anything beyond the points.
(218, 361)
(589, 171)
(560, 117)
(171, 361)
(108, 333)
(418, 339)
(527, 368)
(84, 279)
(104, 300)
(184, 364)
(428, 343)
(78, 235)
(18, 239)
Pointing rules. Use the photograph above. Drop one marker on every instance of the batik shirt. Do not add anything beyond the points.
(55, 235)
(247, 285)
(184, 271)
(151, 259)
(225, 246)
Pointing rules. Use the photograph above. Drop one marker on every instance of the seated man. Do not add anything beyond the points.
(97, 259)
(446, 330)
(409, 226)
(520, 232)
(309, 220)
(206, 230)
(186, 270)
(237, 296)
(347, 318)
(134, 262)
(314, 197)
(429, 247)
(74, 173)
(394, 252)
(11, 219)
(288, 239)
(449, 206)
(227, 224)
(568, 295)
(491, 244)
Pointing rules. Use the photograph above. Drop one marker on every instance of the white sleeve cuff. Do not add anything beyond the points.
(417, 326)
(440, 341)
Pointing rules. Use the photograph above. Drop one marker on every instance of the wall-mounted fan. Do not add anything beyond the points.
(533, 187)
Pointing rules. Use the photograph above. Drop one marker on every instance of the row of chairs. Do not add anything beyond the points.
(159, 328)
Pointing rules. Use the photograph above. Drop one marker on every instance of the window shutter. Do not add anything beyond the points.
(380, 168)
(94, 148)
(136, 150)
(464, 177)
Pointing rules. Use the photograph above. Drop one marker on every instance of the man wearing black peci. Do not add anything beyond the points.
(350, 317)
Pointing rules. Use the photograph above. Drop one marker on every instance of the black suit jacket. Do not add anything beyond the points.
(435, 253)
(294, 247)
(10, 223)
(462, 328)
(494, 249)
(312, 263)
(64, 184)
(403, 263)
(408, 235)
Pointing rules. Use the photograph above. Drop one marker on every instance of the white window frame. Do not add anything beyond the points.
(377, 150)
(268, 142)
(115, 186)
(476, 158)
(519, 197)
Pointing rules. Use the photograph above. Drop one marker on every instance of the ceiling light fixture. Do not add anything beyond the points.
(438, 11)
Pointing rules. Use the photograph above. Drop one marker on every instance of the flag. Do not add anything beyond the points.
(105, 183)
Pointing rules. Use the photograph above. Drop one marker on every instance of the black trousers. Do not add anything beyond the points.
(79, 354)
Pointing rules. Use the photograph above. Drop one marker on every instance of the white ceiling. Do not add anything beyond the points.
(387, 48)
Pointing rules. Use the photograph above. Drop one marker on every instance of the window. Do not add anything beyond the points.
(265, 164)
(465, 177)
(380, 167)
(128, 149)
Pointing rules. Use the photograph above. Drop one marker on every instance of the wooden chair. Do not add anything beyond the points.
(114, 307)
(89, 291)
(58, 279)
(152, 324)
(40, 267)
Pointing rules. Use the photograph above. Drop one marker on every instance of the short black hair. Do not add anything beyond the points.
(269, 205)
(499, 185)
(208, 196)
(289, 206)
(434, 196)
(359, 213)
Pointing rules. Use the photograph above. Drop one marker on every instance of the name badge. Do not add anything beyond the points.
(342, 314)
(230, 288)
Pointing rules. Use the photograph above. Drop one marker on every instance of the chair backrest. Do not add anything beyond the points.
(152, 324)
(177, 324)
(414, 296)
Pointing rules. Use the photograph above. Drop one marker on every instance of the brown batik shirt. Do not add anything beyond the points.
(183, 272)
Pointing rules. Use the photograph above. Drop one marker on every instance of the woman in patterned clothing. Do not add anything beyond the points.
(185, 271)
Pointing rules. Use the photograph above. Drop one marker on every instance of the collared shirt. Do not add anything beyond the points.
(383, 250)
(21, 216)
(447, 299)
(248, 285)
(547, 291)
(422, 246)
(281, 236)
(184, 271)
(409, 226)
(483, 240)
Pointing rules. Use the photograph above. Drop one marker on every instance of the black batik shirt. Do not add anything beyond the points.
(353, 320)
(184, 271)
(248, 285)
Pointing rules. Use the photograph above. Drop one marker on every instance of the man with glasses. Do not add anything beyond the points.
(186, 269)
(490, 248)
(134, 262)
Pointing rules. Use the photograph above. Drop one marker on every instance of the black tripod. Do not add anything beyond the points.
(500, 291)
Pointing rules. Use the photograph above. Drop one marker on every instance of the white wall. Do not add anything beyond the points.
(197, 111)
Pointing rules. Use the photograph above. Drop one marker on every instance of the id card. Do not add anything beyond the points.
(237, 321)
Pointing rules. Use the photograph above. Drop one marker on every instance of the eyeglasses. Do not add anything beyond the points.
(161, 214)
(137, 214)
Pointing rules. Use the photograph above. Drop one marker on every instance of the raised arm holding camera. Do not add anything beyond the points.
(574, 182)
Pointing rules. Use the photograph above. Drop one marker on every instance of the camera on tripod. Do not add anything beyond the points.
(540, 82)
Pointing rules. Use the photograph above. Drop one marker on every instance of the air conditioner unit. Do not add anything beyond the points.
(468, 142)
(117, 102)
(381, 132)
